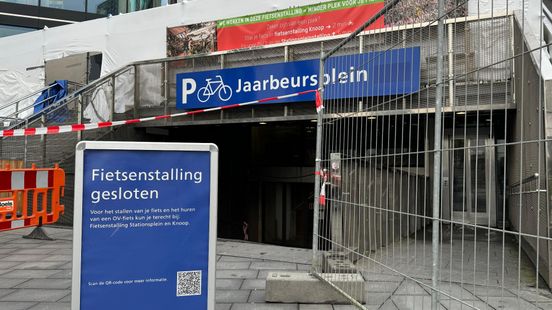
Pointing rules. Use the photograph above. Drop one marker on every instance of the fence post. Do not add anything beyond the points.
(166, 89)
(25, 150)
(43, 140)
(437, 157)
(80, 111)
(112, 107)
(136, 90)
(318, 169)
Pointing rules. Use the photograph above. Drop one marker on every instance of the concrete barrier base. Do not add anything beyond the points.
(302, 287)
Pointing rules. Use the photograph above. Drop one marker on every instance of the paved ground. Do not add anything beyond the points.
(37, 275)
(483, 274)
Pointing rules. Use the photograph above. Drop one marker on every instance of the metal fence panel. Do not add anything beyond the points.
(438, 198)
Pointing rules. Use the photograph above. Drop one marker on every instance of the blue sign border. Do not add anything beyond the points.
(377, 73)
(140, 146)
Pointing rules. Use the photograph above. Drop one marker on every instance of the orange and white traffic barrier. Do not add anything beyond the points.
(30, 197)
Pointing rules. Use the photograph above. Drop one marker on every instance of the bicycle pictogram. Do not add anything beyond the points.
(213, 87)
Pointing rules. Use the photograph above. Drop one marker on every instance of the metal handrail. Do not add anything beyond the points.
(19, 111)
(25, 97)
(64, 101)
(526, 180)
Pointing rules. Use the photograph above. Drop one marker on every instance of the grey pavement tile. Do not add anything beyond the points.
(225, 258)
(452, 289)
(303, 267)
(379, 277)
(257, 296)
(388, 305)
(3, 271)
(60, 258)
(58, 246)
(68, 265)
(8, 265)
(6, 291)
(29, 274)
(233, 265)
(35, 295)
(228, 284)
(16, 246)
(30, 242)
(25, 258)
(223, 306)
(488, 291)
(377, 298)
(66, 299)
(15, 305)
(410, 288)
(264, 273)
(10, 283)
(46, 284)
(254, 284)
(231, 296)
(471, 304)
(509, 303)
(544, 306)
(315, 307)
(32, 251)
(39, 265)
(344, 307)
(52, 306)
(62, 274)
(273, 265)
(236, 274)
(238, 306)
(380, 287)
(543, 296)
(65, 251)
(5, 250)
(413, 302)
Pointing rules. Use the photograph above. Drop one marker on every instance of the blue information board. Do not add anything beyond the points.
(379, 73)
(145, 226)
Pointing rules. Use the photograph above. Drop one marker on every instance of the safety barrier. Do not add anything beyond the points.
(30, 197)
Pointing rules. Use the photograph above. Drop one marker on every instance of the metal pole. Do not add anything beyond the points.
(166, 90)
(437, 157)
(318, 158)
(80, 110)
(43, 140)
(112, 106)
(136, 90)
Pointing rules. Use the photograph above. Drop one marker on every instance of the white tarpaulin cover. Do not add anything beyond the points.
(126, 38)
(122, 39)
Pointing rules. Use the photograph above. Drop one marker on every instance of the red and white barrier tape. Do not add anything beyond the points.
(81, 127)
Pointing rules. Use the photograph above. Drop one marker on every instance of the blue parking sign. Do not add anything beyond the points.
(145, 226)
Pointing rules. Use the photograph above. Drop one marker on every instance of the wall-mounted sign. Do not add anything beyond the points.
(145, 226)
(392, 72)
(303, 22)
(311, 21)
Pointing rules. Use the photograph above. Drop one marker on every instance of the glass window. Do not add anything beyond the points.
(6, 30)
(106, 7)
(72, 5)
(29, 2)
(138, 5)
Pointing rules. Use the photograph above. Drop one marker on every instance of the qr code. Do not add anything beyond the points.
(188, 283)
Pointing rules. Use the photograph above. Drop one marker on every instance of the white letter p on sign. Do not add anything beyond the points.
(188, 87)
